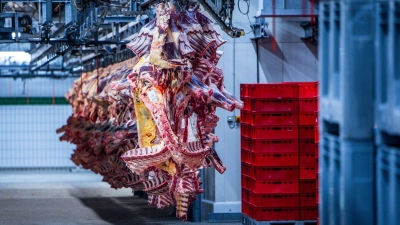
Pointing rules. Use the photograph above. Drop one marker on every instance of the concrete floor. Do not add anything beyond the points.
(74, 198)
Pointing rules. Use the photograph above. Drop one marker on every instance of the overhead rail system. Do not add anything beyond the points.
(68, 36)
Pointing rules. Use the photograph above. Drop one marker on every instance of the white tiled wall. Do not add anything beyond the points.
(28, 136)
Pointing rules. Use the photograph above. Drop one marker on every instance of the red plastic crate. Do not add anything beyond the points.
(270, 159)
(244, 130)
(272, 186)
(244, 181)
(307, 172)
(272, 132)
(306, 132)
(272, 200)
(263, 214)
(245, 143)
(307, 185)
(269, 118)
(308, 213)
(308, 104)
(264, 146)
(308, 199)
(275, 173)
(317, 196)
(246, 208)
(245, 195)
(246, 169)
(246, 103)
(244, 117)
(273, 90)
(244, 90)
(274, 105)
(307, 146)
(317, 118)
(316, 134)
(307, 159)
(308, 89)
(316, 150)
(245, 156)
(307, 118)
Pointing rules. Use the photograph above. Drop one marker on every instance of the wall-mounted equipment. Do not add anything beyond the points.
(260, 28)
(12, 24)
(310, 31)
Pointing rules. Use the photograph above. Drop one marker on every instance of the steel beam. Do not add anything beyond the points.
(10, 14)
(49, 55)
(13, 67)
(25, 47)
(119, 19)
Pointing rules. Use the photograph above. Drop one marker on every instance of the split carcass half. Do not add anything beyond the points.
(146, 123)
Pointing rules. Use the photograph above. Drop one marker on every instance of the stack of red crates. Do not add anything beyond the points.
(278, 151)
(316, 138)
(308, 112)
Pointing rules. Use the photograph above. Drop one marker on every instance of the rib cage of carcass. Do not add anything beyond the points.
(146, 123)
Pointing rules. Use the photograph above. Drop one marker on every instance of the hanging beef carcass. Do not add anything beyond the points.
(146, 123)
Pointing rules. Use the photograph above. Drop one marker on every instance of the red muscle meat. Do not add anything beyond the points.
(146, 123)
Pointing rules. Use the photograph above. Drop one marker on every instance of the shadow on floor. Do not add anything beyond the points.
(130, 210)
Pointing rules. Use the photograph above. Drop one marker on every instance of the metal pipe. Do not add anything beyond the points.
(234, 66)
(95, 15)
(16, 22)
(234, 70)
(258, 66)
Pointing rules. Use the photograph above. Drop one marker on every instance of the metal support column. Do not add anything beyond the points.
(133, 8)
(43, 11)
(70, 12)
(49, 11)
(116, 31)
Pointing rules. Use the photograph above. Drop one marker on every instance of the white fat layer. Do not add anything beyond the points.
(192, 128)
(151, 175)
(183, 124)
(152, 95)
